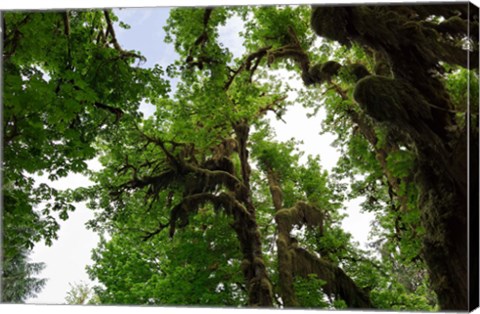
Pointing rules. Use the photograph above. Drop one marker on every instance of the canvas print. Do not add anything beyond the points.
(283, 156)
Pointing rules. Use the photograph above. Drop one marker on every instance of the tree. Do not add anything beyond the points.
(440, 160)
(186, 159)
(18, 280)
(81, 293)
(59, 97)
(200, 160)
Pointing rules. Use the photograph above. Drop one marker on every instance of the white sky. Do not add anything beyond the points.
(67, 258)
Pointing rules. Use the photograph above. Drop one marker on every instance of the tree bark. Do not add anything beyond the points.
(443, 192)
(258, 284)
(285, 258)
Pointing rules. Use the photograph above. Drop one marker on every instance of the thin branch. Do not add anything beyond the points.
(246, 65)
(160, 143)
(66, 23)
(271, 106)
(160, 228)
(111, 32)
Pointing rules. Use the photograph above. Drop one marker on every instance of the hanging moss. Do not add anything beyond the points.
(337, 282)
(301, 214)
(444, 10)
(285, 269)
(401, 36)
(382, 65)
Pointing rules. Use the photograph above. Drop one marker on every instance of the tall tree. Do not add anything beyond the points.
(66, 81)
(189, 158)
(414, 102)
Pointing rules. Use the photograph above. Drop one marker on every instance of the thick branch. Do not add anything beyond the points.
(220, 174)
(12, 42)
(275, 189)
(337, 282)
(301, 214)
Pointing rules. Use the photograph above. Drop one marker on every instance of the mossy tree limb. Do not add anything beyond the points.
(415, 51)
(338, 283)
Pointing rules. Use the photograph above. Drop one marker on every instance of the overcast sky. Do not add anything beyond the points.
(67, 258)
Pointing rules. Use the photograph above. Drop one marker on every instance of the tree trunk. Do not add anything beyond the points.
(441, 178)
(444, 216)
(284, 253)
(258, 284)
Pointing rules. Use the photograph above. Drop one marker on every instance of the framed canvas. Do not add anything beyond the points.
(241, 155)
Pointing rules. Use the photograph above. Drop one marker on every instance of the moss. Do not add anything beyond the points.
(300, 214)
(277, 196)
(258, 262)
(415, 102)
(265, 284)
(285, 270)
(245, 265)
(331, 22)
(337, 282)
(358, 70)
(455, 26)
(445, 242)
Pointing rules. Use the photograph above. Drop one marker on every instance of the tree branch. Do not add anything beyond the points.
(15, 39)
(160, 228)
(246, 65)
(116, 45)
(337, 282)
(116, 111)
(66, 23)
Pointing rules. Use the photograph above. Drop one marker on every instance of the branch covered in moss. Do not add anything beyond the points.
(337, 282)
(301, 214)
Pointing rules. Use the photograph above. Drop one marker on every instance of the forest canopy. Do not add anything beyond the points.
(199, 203)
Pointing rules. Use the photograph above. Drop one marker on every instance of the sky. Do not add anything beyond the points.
(67, 257)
